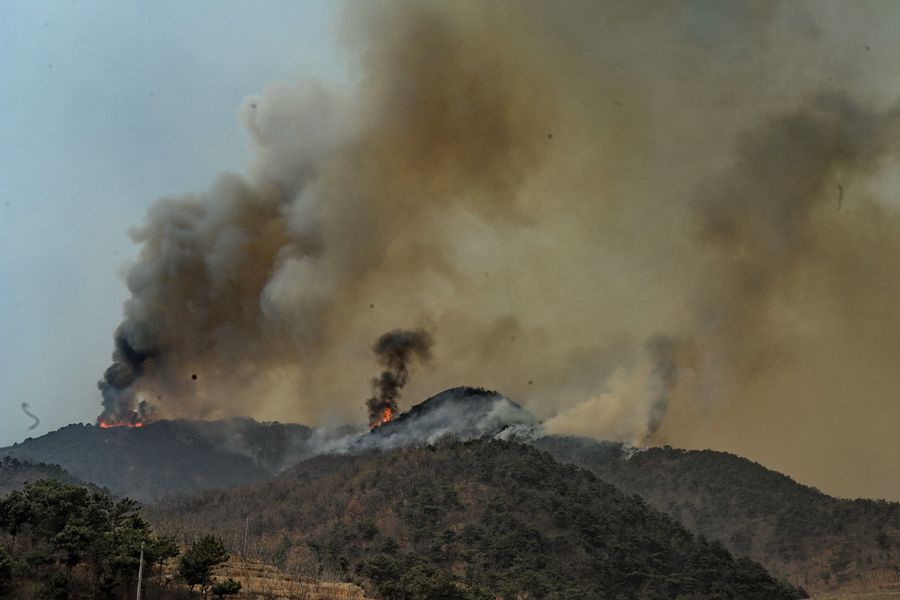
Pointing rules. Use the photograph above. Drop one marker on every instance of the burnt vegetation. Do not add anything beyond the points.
(479, 519)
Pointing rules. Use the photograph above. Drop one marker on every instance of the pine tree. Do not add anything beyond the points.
(198, 561)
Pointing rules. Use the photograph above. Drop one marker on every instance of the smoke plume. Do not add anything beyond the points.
(115, 387)
(25, 409)
(662, 380)
(395, 350)
(546, 187)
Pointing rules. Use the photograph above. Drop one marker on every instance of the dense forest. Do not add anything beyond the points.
(63, 540)
(60, 541)
(479, 519)
(795, 531)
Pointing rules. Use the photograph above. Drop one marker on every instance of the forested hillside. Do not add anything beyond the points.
(61, 541)
(167, 457)
(797, 532)
(14, 473)
(469, 520)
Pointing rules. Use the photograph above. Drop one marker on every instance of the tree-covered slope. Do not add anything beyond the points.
(797, 532)
(471, 520)
(14, 473)
(168, 457)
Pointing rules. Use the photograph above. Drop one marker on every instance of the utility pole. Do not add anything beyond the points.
(246, 533)
(140, 572)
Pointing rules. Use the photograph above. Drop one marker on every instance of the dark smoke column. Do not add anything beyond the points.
(395, 349)
(119, 404)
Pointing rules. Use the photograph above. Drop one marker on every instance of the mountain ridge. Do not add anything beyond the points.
(157, 459)
(798, 532)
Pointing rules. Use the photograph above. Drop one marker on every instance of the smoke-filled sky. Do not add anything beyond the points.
(107, 106)
(645, 221)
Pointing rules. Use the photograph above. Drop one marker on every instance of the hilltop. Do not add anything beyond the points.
(466, 412)
(474, 519)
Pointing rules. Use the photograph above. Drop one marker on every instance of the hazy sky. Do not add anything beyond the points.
(107, 106)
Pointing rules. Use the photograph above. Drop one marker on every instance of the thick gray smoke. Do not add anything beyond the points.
(545, 187)
(37, 421)
(395, 351)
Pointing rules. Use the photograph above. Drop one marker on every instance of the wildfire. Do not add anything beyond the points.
(386, 415)
(102, 424)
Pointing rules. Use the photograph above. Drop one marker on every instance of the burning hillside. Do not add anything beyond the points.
(103, 424)
(464, 413)
(162, 457)
(130, 421)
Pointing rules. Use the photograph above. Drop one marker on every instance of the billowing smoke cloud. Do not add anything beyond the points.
(266, 286)
(25, 409)
(395, 351)
(546, 187)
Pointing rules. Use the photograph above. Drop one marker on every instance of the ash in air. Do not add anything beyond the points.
(395, 351)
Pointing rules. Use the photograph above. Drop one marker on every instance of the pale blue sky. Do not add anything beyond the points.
(104, 107)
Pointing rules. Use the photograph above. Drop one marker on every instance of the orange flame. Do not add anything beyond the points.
(110, 424)
(386, 415)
